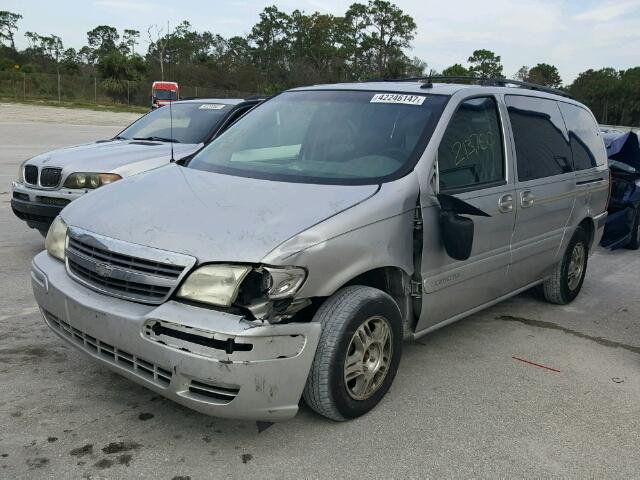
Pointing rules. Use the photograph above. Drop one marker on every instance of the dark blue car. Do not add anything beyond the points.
(623, 224)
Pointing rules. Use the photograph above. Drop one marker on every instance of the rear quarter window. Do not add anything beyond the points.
(587, 144)
(540, 136)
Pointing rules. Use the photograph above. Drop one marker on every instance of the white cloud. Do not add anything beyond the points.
(609, 11)
(124, 5)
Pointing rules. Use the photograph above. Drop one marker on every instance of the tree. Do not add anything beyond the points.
(456, 70)
(522, 74)
(600, 90)
(71, 60)
(545, 74)
(49, 47)
(130, 40)
(9, 25)
(485, 64)
(102, 41)
(270, 39)
(158, 46)
(392, 30)
(417, 68)
(630, 97)
(352, 33)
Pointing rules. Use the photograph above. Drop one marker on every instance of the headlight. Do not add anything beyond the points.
(214, 284)
(284, 282)
(90, 180)
(220, 284)
(56, 238)
(21, 171)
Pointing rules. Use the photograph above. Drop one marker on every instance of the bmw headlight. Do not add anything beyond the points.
(220, 284)
(56, 239)
(21, 172)
(90, 180)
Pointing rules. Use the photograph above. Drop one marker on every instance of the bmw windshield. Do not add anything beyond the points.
(339, 137)
(192, 123)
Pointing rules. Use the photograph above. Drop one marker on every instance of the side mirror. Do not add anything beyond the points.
(457, 235)
(457, 231)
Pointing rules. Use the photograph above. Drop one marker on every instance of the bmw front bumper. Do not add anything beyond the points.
(213, 362)
(38, 208)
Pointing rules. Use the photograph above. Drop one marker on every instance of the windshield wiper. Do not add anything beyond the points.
(157, 139)
(120, 137)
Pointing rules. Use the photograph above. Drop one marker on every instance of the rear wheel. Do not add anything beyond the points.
(358, 353)
(567, 279)
(634, 243)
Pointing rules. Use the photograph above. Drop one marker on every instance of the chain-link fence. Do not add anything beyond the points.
(102, 91)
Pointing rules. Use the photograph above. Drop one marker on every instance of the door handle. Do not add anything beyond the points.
(526, 199)
(505, 203)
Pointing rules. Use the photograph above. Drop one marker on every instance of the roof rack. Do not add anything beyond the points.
(483, 81)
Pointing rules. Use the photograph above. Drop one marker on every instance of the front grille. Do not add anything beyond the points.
(31, 174)
(97, 264)
(132, 289)
(140, 367)
(50, 177)
(57, 202)
(222, 395)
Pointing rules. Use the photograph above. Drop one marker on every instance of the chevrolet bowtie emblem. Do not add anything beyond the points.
(103, 269)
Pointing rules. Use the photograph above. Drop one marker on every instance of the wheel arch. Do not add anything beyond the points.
(392, 280)
(588, 225)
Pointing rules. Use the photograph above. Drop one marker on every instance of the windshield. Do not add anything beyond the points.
(342, 137)
(165, 94)
(192, 123)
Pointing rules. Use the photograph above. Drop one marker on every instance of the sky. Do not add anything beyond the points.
(574, 35)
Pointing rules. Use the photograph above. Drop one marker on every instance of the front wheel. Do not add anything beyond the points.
(358, 353)
(567, 279)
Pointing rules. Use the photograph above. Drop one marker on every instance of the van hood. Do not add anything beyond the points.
(111, 156)
(211, 216)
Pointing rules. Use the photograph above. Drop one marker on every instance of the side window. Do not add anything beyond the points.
(471, 153)
(542, 144)
(587, 145)
(235, 116)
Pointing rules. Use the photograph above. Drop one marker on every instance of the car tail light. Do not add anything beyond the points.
(610, 187)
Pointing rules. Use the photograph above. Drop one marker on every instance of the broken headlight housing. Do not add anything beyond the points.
(224, 285)
(90, 180)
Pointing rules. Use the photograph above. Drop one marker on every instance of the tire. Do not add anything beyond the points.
(350, 310)
(562, 289)
(634, 243)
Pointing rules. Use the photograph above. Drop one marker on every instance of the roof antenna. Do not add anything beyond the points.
(171, 109)
(171, 125)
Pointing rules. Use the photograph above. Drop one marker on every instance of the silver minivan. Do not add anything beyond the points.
(293, 255)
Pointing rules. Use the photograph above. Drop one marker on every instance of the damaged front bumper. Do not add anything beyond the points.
(213, 362)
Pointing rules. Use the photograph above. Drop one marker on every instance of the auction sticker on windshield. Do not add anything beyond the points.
(398, 98)
(211, 106)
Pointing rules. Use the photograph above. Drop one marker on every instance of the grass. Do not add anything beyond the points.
(87, 106)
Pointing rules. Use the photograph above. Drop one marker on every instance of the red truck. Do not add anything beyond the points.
(164, 92)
